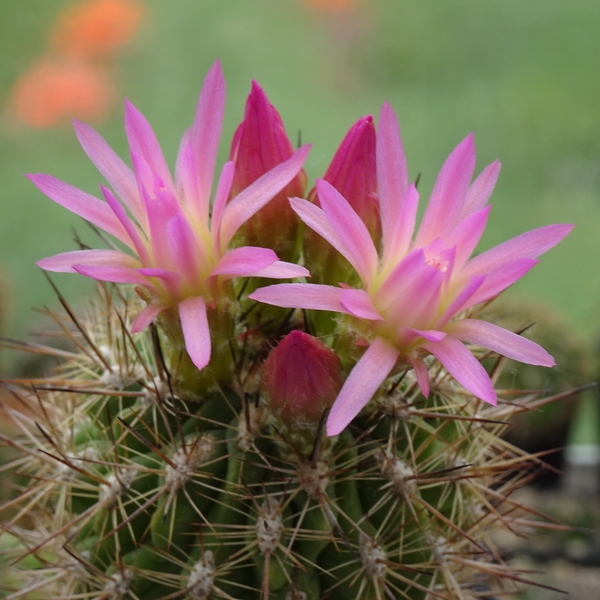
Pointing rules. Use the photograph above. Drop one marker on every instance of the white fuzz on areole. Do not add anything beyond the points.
(202, 578)
(186, 462)
(250, 425)
(398, 473)
(118, 484)
(372, 556)
(314, 478)
(118, 585)
(440, 549)
(269, 525)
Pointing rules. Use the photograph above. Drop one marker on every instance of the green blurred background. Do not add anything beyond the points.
(523, 74)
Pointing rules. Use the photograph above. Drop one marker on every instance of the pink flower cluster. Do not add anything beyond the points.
(417, 284)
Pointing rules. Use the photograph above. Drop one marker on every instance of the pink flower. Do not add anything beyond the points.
(302, 378)
(180, 244)
(259, 144)
(414, 288)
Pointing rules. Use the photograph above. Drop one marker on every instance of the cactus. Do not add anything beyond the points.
(133, 490)
(194, 444)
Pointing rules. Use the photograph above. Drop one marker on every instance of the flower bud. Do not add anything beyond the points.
(259, 144)
(353, 174)
(301, 379)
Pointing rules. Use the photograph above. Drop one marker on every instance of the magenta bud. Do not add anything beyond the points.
(301, 378)
(353, 173)
(259, 144)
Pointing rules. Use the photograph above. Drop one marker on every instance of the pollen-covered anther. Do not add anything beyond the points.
(269, 525)
(118, 484)
(373, 557)
(314, 478)
(202, 578)
(117, 587)
(398, 473)
(186, 462)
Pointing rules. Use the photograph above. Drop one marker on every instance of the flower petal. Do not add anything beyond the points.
(350, 229)
(464, 367)
(398, 241)
(143, 141)
(300, 295)
(498, 339)
(480, 190)
(114, 274)
(364, 380)
(282, 270)
(392, 171)
(194, 323)
(111, 166)
(63, 263)
(359, 304)
(244, 260)
(256, 195)
(447, 197)
(205, 134)
(82, 204)
(527, 245)
(146, 316)
(422, 374)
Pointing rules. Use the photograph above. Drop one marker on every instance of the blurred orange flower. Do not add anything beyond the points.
(54, 89)
(329, 5)
(72, 79)
(96, 27)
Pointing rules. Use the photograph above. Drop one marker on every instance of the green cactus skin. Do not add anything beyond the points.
(137, 485)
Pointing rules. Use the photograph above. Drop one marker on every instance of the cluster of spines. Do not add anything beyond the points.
(125, 489)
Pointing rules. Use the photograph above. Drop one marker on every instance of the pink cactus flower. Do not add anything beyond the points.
(301, 378)
(259, 144)
(416, 290)
(180, 244)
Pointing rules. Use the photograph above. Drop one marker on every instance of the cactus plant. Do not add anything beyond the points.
(168, 457)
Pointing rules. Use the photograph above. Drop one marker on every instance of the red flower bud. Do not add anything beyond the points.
(302, 378)
(259, 144)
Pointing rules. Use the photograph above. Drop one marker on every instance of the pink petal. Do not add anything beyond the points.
(282, 270)
(143, 141)
(500, 340)
(466, 235)
(398, 241)
(422, 374)
(221, 197)
(315, 218)
(405, 271)
(205, 134)
(480, 190)
(350, 229)
(255, 196)
(499, 279)
(364, 380)
(186, 176)
(409, 335)
(359, 304)
(461, 301)
(136, 243)
(392, 171)
(146, 316)
(187, 250)
(84, 205)
(63, 263)
(113, 168)
(300, 295)
(194, 323)
(171, 281)
(464, 367)
(244, 261)
(114, 274)
(447, 197)
(527, 245)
